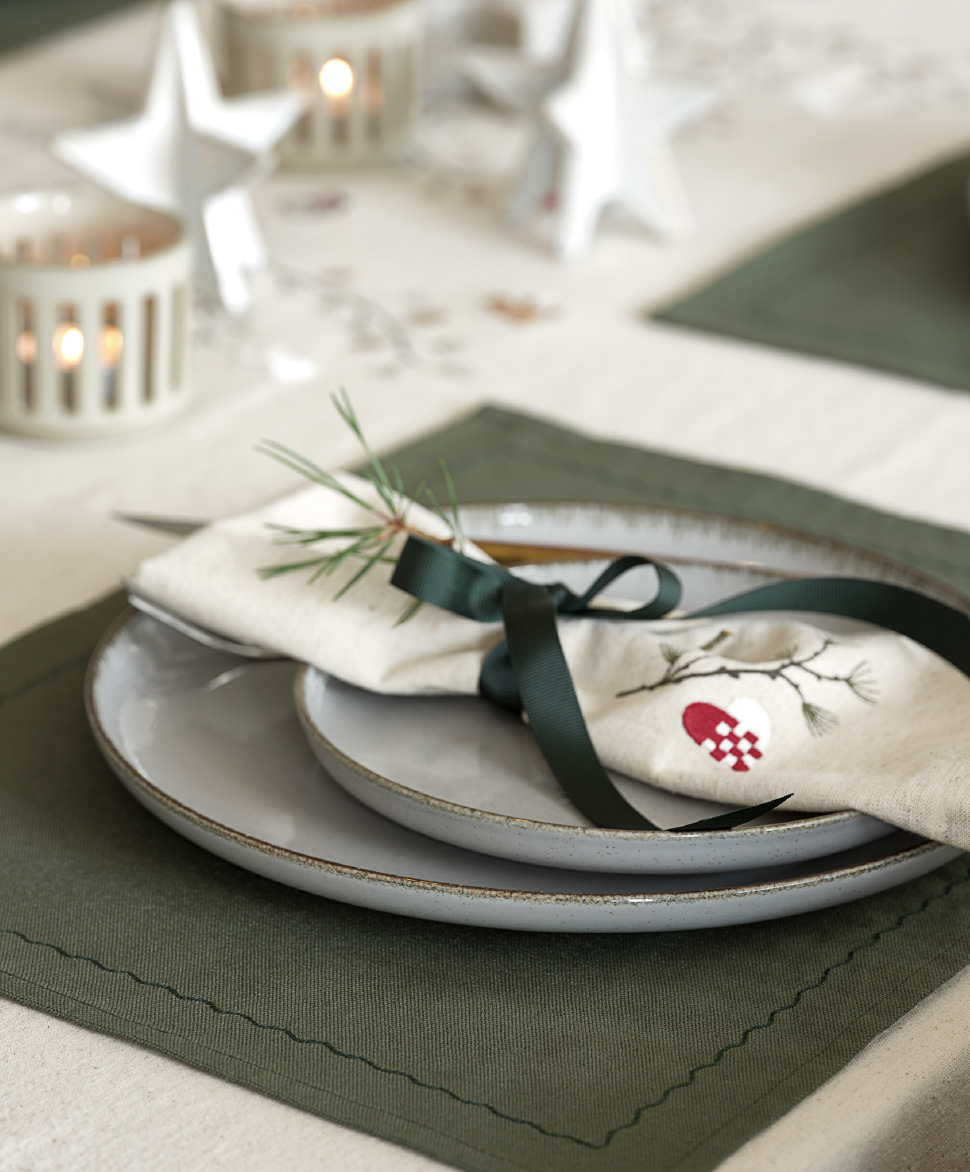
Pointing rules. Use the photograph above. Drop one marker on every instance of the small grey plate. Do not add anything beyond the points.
(460, 771)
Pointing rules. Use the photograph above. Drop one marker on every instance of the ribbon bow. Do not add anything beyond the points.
(527, 671)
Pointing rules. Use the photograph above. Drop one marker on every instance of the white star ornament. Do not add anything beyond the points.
(601, 129)
(521, 84)
(543, 25)
(193, 154)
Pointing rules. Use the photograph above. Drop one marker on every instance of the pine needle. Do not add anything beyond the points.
(368, 565)
(411, 611)
(369, 544)
(819, 720)
(306, 468)
(863, 683)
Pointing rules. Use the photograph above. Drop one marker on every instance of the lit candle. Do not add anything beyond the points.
(26, 347)
(68, 344)
(68, 347)
(336, 78)
(98, 293)
(112, 344)
(355, 60)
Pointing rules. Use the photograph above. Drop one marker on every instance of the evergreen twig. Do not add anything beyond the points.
(371, 543)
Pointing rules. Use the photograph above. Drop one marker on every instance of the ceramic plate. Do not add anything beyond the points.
(212, 746)
(461, 771)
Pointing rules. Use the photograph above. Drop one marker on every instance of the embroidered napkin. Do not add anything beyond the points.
(735, 710)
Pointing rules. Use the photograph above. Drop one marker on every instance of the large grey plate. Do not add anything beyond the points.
(211, 745)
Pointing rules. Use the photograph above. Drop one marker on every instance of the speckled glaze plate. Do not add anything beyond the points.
(211, 745)
(461, 771)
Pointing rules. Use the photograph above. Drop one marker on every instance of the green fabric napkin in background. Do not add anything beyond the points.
(487, 1049)
(885, 284)
(23, 21)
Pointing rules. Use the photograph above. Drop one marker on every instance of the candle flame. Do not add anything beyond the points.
(68, 346)
(112, 343)
(336, 78)
(26, 347)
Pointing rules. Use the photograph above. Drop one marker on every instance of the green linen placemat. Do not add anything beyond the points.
(23, 21)
(487, 1049)
(499, 455)
(885, 284)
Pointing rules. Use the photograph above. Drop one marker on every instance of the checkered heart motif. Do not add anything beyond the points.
(737, 736)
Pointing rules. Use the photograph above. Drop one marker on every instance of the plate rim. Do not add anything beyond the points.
(510, 821)
(940, 586)
(139, 782)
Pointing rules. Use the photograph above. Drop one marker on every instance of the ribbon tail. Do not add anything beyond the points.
(733, 818)
(549, 699)
(550, 702)
(935, 625)
(497, 682)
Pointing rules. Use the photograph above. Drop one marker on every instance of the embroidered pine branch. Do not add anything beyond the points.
(681, 665)
(369, 544)
(819, 720)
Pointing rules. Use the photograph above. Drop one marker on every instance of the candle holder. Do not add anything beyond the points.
(94, 300)
(355, 60)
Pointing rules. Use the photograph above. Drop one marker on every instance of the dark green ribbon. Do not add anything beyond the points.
(527, 671)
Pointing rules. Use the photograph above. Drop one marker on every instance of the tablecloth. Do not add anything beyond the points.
(393, 284)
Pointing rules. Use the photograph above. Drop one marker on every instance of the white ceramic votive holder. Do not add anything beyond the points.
(94, 298)
(356, 60)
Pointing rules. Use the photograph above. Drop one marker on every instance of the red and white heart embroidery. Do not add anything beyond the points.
(736, 737)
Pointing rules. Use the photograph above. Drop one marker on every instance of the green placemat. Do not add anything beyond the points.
(487, 1049)
(23, 21)
(885, 284)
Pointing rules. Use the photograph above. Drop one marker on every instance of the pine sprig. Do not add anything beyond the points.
(377, 474)
(307, 469)
(369, 544)
(452, 519)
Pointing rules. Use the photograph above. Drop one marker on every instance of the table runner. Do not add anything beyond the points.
(487, 1049)
(884, 284)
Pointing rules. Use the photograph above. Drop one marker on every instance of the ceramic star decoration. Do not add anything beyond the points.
(542, 25)
(193, 154)
(601, 128)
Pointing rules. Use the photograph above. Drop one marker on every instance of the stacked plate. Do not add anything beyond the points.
(443, 808)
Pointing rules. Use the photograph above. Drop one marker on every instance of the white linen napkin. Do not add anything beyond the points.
(736, 710)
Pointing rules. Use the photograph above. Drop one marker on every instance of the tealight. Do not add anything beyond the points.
(94, 297)
(336, 78)
(355, 60)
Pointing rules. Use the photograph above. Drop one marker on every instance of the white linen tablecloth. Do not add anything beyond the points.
(382, 283)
